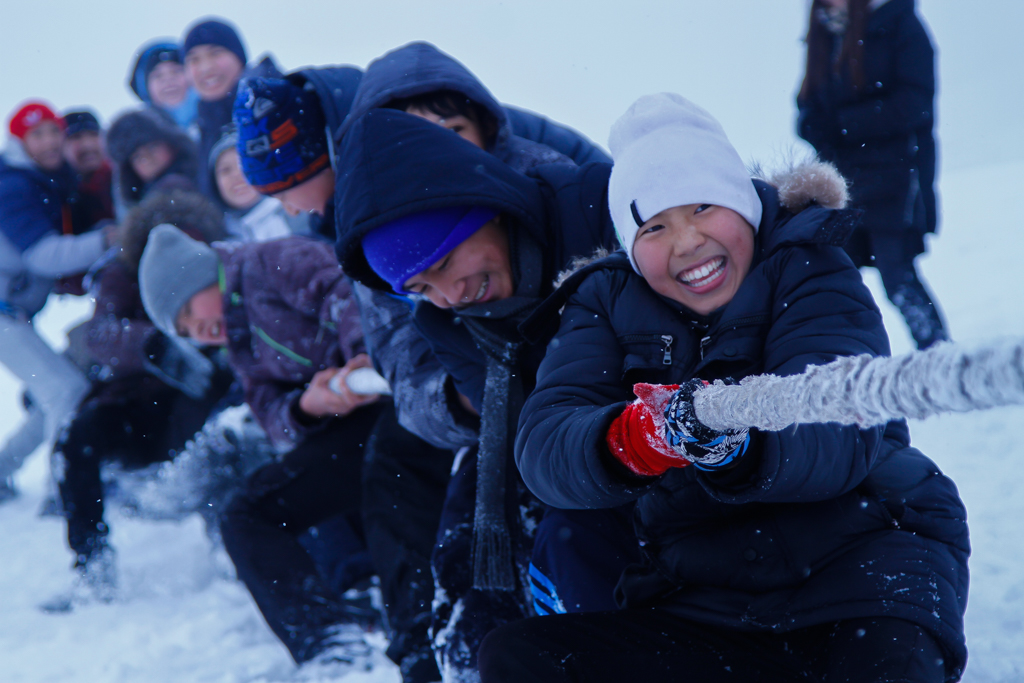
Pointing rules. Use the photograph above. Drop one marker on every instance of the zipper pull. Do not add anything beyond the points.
(704, 342)
(667, 339)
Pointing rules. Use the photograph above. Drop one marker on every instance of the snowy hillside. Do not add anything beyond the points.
(182, 617)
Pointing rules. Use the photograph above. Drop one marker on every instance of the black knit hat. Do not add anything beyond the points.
(214, 32)
(80, 122)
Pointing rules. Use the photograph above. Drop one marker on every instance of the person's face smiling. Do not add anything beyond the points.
(476, 271)
(202, 318)
(214, 70)
(697, 254)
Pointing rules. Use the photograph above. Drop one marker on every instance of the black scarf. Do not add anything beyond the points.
(495, 329)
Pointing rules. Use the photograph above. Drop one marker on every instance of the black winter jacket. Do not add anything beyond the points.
(816, 523)
(881, 138)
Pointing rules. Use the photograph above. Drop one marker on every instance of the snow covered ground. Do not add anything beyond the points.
(183, 618)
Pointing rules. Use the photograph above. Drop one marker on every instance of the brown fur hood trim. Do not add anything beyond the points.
(808, 181)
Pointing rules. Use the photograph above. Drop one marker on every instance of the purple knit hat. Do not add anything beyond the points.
(411, 244)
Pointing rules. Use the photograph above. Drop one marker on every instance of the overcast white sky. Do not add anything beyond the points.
(580, 62)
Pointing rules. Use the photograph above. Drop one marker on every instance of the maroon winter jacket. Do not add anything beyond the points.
(114, 338)
(289, 313)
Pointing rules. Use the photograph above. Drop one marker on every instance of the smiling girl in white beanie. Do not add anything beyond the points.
(820, 553)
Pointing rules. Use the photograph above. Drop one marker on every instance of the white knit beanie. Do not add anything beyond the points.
(669, 152)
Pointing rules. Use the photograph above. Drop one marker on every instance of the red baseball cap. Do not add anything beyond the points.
(30, 115)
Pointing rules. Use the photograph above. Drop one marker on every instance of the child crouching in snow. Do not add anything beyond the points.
(820, 553)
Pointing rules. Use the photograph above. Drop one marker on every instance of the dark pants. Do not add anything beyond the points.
(653, 645)
(320, 479)
(893, 255)
(404, 483)
(463, 614)
(134, 433)
(578, 557)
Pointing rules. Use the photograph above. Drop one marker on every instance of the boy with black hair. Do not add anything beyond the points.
(216, 60)
(421, 80)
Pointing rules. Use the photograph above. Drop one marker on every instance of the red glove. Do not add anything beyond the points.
(637, 436)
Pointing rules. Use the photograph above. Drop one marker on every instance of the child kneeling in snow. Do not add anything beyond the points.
(822, 552)
(285, 313)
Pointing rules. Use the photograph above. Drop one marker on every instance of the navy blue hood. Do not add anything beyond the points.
(396, 164)
(336, 86)
(417, 69)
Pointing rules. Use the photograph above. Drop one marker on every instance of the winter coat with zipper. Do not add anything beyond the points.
(816, 523)
(36, 240)
(289, 313)
(523, 139)
(881, 137)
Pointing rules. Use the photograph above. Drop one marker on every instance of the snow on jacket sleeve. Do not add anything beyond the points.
(275, 406)
(560, 447)
(301, 274)
(418, 379)
(822, 310)
(62, 255)
(906, 103)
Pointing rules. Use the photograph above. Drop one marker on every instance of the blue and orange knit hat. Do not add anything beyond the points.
(282, 134)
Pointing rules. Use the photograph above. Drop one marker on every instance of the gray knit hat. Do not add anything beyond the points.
(173, 269)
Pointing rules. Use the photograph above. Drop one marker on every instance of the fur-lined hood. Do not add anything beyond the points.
(142, 127)
(803, 183)
(190, 212)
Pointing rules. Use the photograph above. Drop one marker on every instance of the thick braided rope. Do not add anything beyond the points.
(867, 391)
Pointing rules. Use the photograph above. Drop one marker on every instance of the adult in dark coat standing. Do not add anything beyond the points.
(867, 104)
(151, 153)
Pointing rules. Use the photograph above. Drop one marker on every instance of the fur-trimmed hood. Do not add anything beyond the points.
(142, 127)
(190, 212)
(801, 183)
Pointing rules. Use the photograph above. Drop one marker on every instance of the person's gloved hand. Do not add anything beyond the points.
(637, 437)
(689, 437)
(178, 364)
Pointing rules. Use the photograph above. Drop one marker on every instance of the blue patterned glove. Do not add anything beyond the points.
(701, 445)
